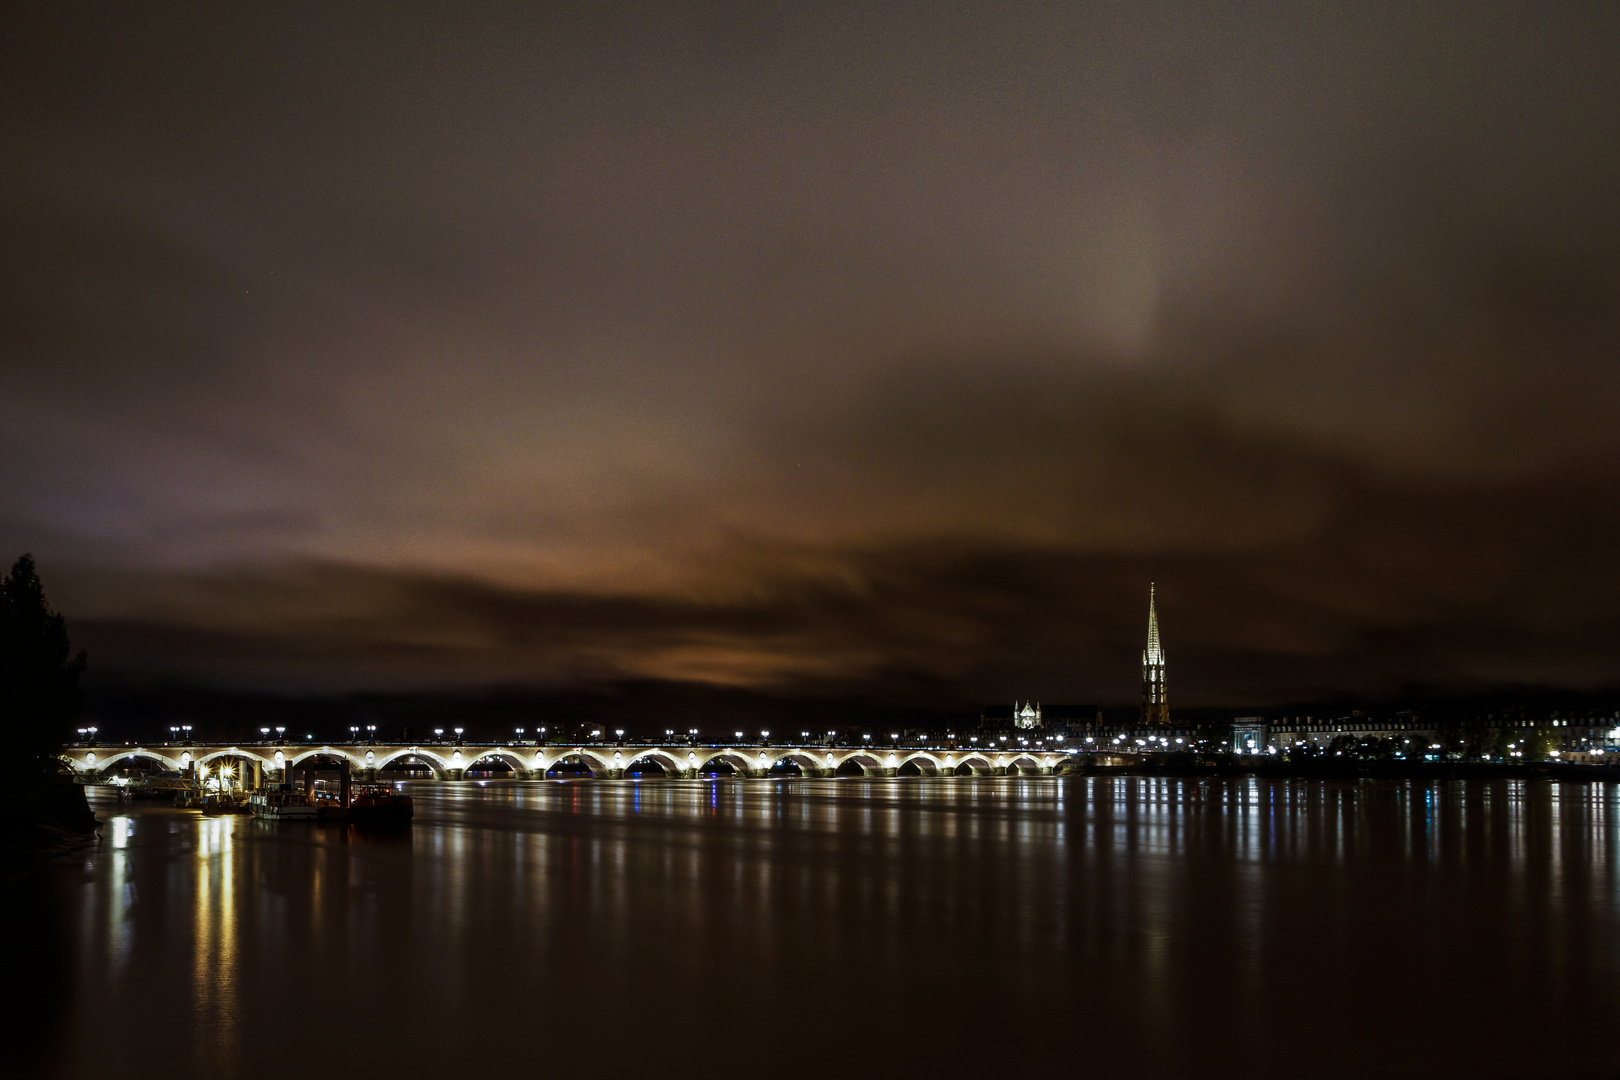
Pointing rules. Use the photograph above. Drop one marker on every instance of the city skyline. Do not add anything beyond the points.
(625, 526)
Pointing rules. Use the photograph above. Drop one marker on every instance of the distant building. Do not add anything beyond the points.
(1034, 718)
(1250, 735)
(1155, 697)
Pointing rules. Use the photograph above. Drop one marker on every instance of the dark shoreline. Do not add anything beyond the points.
(45, 820)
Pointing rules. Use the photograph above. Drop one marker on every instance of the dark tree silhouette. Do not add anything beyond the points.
(39, 676)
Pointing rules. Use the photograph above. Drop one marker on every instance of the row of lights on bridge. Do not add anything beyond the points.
(182, 733)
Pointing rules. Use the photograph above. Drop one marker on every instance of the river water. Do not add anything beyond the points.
(1009, 923)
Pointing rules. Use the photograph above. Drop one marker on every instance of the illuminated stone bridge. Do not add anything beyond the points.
(449, 761)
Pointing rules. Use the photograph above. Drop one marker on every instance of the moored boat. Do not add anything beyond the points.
(224, 803)
(283, 806)
(378, 803)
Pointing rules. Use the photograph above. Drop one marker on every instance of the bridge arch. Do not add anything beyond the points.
(737, 760)
(919, 764)
(599, 765)
(512, 758)
(808, 763)
(858, 764)
(1023, 764)
(234, 751)
(672, 765)
(433, 761)
(83, 764)
(975, 764)
(293, 760)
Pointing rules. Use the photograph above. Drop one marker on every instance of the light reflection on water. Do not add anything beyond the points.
(1156, 924)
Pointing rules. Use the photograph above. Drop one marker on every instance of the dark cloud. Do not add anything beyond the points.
(1391, 587)
(812, 350)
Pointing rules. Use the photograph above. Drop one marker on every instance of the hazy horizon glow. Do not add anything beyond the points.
(890, 351)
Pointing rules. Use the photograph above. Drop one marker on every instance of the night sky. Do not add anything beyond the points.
(817, 349)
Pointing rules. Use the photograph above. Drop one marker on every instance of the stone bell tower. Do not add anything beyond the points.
(1155, 698)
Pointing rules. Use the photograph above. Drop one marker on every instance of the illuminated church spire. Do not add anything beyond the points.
(1155, 702)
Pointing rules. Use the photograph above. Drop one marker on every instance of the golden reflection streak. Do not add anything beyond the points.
(214, 947)
(121, 890)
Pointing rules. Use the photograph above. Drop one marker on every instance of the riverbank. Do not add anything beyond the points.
(1350, 769)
